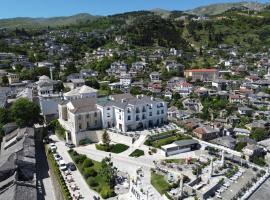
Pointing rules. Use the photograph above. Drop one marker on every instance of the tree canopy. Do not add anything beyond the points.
(25, 113)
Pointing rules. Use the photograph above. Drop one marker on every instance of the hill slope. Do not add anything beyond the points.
(45, 22)
(215, 9)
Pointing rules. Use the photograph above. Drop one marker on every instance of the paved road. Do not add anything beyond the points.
(87, 193)
(44, 182)
(263, 192)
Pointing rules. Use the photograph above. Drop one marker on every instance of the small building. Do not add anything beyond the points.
(241, 131)
(155, 76)
(180, 146)
(245, 110)
(252, 150)
(13, 78)
(202, 74)
(206, 133)
(81, 92)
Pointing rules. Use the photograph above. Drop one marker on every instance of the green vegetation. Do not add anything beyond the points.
(56, 127)
(215, 104)
(230, 173)
(100, 176)
(25, 113)
(137, 153)
(57, 173)
(114, 148)
(259, 134)
(259, 161)
(240, 145)
(165, 138)
(159, 182)
(84, 142)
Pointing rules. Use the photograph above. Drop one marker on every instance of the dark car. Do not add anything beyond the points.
(48, 140)
(96, 198)
(71, 166)
(69, 145)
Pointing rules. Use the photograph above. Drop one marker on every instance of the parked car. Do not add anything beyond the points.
(70, 145)
(71, 166)
(62, 165)
(47, 140)
(53, 147)
(96, 198)
(57, 157)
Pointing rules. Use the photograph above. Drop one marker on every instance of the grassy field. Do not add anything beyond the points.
(159, 183)
(137, 153)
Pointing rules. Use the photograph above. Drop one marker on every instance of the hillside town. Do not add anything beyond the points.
(92, 115)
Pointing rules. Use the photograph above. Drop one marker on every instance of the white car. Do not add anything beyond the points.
(62, 165)
(57, 157)
(53, 147)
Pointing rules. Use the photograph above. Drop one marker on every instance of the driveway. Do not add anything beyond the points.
(44, 182)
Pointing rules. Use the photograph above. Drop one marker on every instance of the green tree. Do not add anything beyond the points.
(92, 82)
(4, 80)
(4, 117)
(25, 113)
(109, 172)
(106, 139)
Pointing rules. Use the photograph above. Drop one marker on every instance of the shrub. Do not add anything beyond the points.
(87, 163)
(86, 174)
(106, 193)
(92, 182)
(91, 172)
(84, 142)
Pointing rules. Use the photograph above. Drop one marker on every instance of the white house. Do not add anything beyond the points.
(80, 93)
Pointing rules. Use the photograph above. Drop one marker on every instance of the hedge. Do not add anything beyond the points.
(58, 175)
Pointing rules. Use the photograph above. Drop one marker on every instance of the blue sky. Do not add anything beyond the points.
(49, 8)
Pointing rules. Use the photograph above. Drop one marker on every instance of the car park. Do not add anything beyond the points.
(71, 166)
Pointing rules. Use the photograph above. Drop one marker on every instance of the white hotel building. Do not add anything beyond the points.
(124, 112)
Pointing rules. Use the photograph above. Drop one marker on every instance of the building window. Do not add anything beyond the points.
(150, 114)
(137, 110)
(95, 122)
(108, 108)
(162, 111)
(143, 117)
(158, 112)
(128, 110)
(137, 118)
(144, 109)
(79, 117)
(95, 114)
(87, 116)
(88, 125)
(80, 126)
(129, 117)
